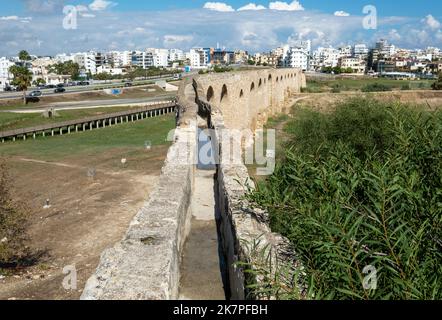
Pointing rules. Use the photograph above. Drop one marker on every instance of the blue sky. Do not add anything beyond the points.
(37, 25)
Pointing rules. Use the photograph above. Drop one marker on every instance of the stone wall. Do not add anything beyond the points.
(231, 106)
(247, 98)
(145, 265)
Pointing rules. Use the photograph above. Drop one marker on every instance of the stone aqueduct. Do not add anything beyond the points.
(246, 99)
(145, 265)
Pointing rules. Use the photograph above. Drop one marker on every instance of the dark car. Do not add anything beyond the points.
(7, 89)
(60, 85)
(50, 86)
(36, 93)
(128, 84)
(60, 90)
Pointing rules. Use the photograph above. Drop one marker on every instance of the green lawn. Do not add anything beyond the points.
(10, 121)
(128, 135)
(318, 85)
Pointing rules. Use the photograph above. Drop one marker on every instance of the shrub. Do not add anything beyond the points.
(376, 87)
(13, 225)
(336, 88)
(406, 87)
(362, 187)
(438, 84)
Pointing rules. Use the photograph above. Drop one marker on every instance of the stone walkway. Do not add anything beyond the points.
(200, 269)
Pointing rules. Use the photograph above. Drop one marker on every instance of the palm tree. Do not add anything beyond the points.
(22, 79)
(24, 56)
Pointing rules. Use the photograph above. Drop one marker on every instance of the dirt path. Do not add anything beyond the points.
(87, 214)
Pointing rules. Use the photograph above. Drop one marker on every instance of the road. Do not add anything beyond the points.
(92, 104)
(82, 89)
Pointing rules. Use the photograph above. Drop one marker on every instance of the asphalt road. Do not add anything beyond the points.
(79, 89)
(96, 104)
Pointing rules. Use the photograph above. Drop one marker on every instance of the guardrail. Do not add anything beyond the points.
(89, 123)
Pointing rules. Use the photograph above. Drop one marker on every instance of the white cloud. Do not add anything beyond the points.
(171, 40)
(342, 14)
(284, 6)
(431, 22)
(9, 18)
(252, 6)
(100, 5)
(218, 6)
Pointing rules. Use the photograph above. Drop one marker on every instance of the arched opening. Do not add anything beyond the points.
(260, 83)
(241, 94)
(210, 94)
(252, 87)
(277, 79)
(224, 92)
(270, 77)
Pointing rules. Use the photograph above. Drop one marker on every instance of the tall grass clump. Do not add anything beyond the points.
(361, 187)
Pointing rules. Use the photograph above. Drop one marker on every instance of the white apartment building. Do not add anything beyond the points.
(360, 50)
(198, 58)
(62, 58)
(152, 57)
(5, 75)
(346, 52)
(297, 58)
(160, 57)
(87, 61)
(357, 65)
(325, 57)
(176, 55)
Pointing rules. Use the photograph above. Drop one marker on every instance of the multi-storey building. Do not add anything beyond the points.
(5, 75)
(199, 57)
(176, 55)
(357, 65)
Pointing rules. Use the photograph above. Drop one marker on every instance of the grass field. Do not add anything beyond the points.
(319, 85)
(128, 136)
(10, 121)
(93, 197)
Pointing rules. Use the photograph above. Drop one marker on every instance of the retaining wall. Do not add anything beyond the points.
(145, 265)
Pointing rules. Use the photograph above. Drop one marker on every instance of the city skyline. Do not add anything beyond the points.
(37, 25)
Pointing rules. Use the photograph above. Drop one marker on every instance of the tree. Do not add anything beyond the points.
(22, 79)
(66, 68)
(39, 82)
(24, 55)
(438, 84)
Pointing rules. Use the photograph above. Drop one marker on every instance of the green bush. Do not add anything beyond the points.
(361, 187)
(438, 84)
(406, 87)
(375, 87)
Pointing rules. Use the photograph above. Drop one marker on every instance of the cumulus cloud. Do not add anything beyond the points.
(256, 31)
(342, 14)
(6, 18)
(173, 40)
(432, 22)
(284, 6)
(252, 6)
(218, 6)
(100, 5)
(44, 6)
